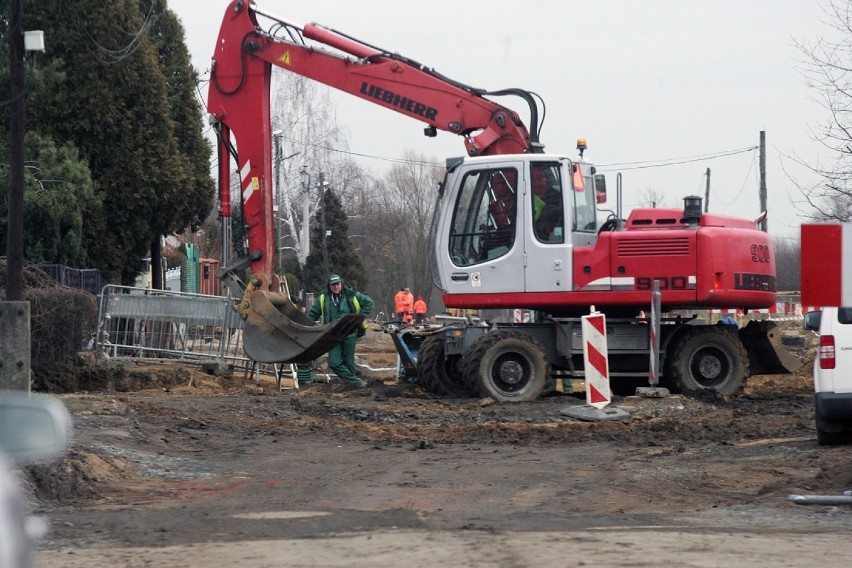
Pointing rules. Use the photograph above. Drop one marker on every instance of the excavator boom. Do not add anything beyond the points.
(239, 103)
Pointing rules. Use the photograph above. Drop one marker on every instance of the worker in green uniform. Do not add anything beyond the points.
(332, 303)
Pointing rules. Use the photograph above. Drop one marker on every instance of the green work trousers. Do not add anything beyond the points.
(341, 360)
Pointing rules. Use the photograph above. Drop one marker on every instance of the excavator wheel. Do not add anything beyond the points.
(708, 357)
(508, 366)
(439, 374)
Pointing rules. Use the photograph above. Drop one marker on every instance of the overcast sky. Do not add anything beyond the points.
(650, 81)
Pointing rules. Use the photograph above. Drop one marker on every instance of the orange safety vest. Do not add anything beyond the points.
(420, 307)
(399, 301)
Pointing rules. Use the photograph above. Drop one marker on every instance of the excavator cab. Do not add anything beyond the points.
(508, 225)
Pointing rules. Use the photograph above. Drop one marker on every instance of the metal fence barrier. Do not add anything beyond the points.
(139, 322)
(88, 279)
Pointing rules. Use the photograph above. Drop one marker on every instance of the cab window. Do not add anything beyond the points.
(547, 206)
(585, 216)
(484, 220)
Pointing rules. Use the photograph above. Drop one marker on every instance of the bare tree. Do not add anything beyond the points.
(788, 254)
(414, 185)
(389, 223)
(389, 219)
(375, 224)
(827, 64)
(651, 197)
(310, 144)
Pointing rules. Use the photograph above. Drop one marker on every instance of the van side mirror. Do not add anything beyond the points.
(33, 428)
(812, 320)
(600, 188)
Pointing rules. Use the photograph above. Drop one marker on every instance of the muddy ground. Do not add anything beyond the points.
(172, 466)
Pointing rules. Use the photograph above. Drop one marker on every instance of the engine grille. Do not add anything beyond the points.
(654, 247)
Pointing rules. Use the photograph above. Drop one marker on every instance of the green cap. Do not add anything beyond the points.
(334, 279)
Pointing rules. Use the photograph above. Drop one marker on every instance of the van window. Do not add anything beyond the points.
(844, 315)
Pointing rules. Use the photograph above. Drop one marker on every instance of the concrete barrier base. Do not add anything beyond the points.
(15, 346)
(592, 414)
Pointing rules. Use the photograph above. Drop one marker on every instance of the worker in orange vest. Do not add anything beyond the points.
(409, 307)
(420, 310)
(400, 303)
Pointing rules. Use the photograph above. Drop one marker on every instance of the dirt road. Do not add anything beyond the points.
(223, 473)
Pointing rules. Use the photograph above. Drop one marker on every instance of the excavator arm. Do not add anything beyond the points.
(239, 103)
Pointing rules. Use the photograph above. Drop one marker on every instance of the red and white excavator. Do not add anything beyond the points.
(514, 228)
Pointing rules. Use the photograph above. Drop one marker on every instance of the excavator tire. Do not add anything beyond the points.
(708, 357)
(439, 374)
(508, 366)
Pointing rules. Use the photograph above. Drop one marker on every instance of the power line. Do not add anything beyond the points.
(360, 155)
(116, 55)
(605, 167)
(671, 161)
(621, 166)
(742, 187)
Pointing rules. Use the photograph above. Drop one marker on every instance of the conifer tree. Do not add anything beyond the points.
(343, 259)
(125, 101)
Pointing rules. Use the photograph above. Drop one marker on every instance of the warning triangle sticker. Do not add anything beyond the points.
(285, 58)
(598, 323)
(598, 361)
(596, 396)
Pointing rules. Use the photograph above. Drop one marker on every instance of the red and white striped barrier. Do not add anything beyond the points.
(595, 360)
(826, 267)
(787, 308)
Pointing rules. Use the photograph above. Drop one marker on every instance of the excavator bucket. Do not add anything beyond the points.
(276, 331)
(767, 354)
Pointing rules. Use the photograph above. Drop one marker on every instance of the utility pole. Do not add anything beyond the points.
(322, 223)
(764, 225)
(15, 228)
(707, 193)
(305, 240)
(276, 137)
(224, 189)
(14, 311)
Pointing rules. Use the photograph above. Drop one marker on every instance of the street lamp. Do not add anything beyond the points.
(305, 241)
(279, 207)
(323, 185)
(277, 135)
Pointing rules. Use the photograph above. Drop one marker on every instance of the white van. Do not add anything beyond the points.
(32, 429)
(832, 374)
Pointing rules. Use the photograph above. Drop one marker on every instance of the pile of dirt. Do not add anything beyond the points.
(79, 475)
(126, 377)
